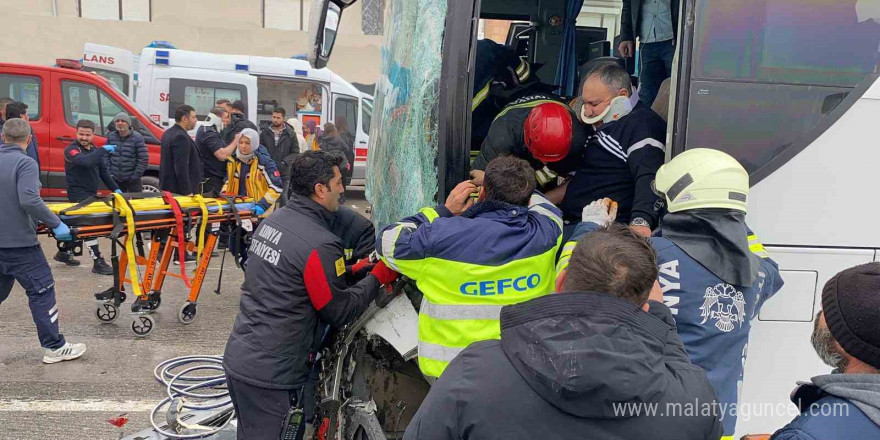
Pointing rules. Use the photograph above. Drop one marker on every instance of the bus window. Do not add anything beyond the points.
(25, 89)
(202, 95)
(766, 72)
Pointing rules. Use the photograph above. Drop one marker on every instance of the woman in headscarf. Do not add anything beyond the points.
(313, 133)
(346, 136)
(251, 173)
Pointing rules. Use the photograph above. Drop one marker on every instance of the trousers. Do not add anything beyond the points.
(28, 266)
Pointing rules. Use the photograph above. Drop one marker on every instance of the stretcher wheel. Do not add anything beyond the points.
(142, 325)
(106, 313)
(187, 313)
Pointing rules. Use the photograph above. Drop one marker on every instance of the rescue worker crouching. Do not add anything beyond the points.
(714, 272)
(540, 129)
(251, 173)
(470, 259)
(293, 288)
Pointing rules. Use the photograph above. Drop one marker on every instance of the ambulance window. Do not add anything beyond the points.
(202, 95)
(345, 115)
(366, 114)
(117, 80)
(25, 89)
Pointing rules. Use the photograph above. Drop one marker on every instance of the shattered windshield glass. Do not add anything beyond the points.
(401, 168)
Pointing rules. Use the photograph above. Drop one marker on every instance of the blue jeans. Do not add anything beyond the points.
(28, 266)
(655, 65)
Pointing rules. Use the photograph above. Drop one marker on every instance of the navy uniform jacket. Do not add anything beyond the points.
(713, 318)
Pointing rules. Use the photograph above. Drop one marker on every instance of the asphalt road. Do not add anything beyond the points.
(74, 400)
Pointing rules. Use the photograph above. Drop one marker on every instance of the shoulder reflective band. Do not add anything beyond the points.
(123, 208)
(181, 249)
(430, 213)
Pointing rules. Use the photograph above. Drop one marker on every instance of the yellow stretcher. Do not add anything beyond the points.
(168, 218)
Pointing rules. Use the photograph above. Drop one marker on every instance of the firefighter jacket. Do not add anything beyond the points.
(262, 180)
(713, 317)
(469, 266)
(293, 288)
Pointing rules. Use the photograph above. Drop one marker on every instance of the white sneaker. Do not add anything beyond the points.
(68, 352)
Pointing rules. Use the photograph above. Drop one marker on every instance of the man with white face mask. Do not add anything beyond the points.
(621, 159)
(214, 151)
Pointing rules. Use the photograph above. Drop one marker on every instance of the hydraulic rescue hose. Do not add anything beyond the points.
(176, 375)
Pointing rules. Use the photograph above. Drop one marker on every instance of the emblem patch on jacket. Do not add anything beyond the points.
(724, 304)
(340, 267)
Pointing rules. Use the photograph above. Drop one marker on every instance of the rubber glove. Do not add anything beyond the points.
(110, 148)
(259, 210)
(602, 212)
(118, 191)
(62, 232)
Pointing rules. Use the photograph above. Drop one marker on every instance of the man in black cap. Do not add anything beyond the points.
(846, 403)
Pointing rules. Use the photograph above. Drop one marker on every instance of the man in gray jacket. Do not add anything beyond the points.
(21, 257)
(130, 159)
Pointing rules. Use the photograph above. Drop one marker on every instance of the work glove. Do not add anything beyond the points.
(62, 232)
(361, 267)
(110, 148)
(259, 210)
(602, 212)
(118, 191)
(383, 273)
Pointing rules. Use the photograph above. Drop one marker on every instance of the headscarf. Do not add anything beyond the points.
(255, 143)
(298, 130)
(315, 134)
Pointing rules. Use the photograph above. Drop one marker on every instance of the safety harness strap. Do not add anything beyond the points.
(181, 242)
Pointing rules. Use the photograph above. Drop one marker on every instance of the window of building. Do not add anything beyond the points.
(84, 101)
(131, 10)
(289, 15)
(25, 89)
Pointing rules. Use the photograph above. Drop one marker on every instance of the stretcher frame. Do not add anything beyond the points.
(125, 230)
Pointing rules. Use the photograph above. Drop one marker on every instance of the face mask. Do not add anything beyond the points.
(618, 108)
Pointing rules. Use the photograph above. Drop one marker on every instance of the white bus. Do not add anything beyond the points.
(788, 87)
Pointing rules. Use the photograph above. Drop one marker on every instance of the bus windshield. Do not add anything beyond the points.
(402, 173)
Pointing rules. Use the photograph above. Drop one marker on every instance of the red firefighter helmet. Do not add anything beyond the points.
(547, 132)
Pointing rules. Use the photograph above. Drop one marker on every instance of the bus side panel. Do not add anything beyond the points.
(780, 352)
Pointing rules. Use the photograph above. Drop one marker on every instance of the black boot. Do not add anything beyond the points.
(66, 258)
(101, 267)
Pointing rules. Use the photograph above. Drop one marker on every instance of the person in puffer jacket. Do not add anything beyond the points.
(128, 162)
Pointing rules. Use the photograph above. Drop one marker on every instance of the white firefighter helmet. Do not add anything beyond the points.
(703, 178)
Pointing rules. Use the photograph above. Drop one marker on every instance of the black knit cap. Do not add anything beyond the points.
(851, 303)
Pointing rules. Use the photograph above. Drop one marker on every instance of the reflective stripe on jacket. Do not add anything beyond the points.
(469, 266)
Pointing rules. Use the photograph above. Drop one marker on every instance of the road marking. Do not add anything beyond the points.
(77, 405)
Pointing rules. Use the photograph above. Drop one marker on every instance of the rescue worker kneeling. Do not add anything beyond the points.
(469, 259)
(591, 362)
(251, 173)
(294, 286)
(714, 272)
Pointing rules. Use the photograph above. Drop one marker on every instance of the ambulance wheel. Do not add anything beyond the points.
(142, 325)
(187, 313)
(106, 313)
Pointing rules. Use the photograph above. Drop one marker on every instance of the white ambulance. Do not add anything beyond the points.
(168, 78)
